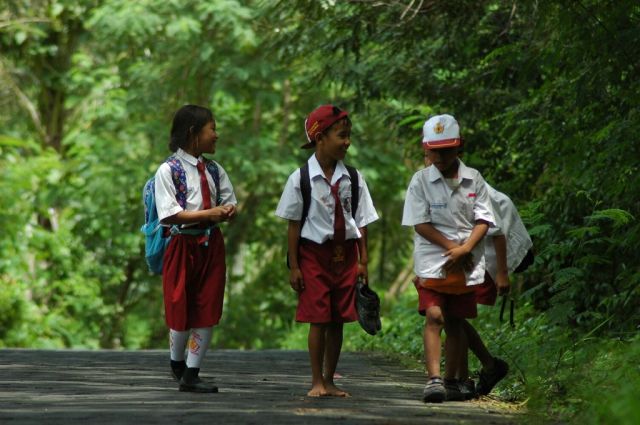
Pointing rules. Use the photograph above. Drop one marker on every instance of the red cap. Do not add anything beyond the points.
(319, 120)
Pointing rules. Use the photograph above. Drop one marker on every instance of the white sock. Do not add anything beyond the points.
(198, 345)
(177, 344)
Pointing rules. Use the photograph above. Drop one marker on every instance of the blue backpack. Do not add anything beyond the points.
(155, 239)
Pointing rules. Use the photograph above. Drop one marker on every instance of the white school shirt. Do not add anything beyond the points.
(452, 212)
(165, 189)
(318, 226)
(509, 224)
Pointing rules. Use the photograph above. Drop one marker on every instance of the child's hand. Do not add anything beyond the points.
(217, 214)
(231, 211)
(458, 259)
(363, 272)
(502, 283)
(295, 279)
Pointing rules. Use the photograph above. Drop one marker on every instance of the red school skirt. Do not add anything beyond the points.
(193, 281)
(329, 286)
(487, 292)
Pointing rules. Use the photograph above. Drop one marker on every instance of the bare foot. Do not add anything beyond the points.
(317, 390)
(334, 391)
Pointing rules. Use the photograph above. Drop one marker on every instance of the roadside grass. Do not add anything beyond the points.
(556, 373)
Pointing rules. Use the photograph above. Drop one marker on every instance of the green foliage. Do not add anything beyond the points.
(555, 373)
(547, 95)
(547, 107)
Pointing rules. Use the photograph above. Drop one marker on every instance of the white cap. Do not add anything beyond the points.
(441, 131)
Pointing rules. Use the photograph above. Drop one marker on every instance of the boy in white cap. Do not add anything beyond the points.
(328, 207)
(448, 205)
(507, 250)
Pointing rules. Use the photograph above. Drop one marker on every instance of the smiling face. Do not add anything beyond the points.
(445, 160)
(206, 139)
(334, 142)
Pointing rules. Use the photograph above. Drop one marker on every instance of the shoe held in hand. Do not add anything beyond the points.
(368, 308)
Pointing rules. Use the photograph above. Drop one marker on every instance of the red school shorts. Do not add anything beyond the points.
(462, 306)
(193, 281)
(329, 287)
(487, 292)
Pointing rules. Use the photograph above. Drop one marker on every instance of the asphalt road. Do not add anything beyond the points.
(70, 387)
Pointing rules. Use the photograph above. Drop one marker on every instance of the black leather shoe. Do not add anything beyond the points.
(190, 382)
(177, 369)
(368, 308)
(489, 379)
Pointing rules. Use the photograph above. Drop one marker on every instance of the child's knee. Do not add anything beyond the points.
(434, 317)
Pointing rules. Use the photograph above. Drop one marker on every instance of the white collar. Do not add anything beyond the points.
(187, 157)
(464, 172)
(315, 169)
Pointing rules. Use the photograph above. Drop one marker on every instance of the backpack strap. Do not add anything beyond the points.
(305, 189)
(149, 200)
(355, 189)
(179, 178)
(214, 170)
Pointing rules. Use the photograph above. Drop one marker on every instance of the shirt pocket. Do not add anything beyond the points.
(465, 208)
(439, 211)
(465, 203)
(322, 197)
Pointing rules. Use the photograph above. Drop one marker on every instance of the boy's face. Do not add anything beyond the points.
(443, 159)
(334, 142)
(207, 138)
(427, 158)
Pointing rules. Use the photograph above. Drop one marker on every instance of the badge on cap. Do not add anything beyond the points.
(438, 128)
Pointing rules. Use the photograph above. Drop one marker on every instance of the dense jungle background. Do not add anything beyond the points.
(547, 94)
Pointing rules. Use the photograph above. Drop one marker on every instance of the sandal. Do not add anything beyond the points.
(434, 391)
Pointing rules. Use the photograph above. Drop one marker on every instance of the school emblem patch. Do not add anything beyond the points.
(438, 128)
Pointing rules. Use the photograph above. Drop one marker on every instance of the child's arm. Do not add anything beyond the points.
(502, 274)
(458, 252)
(293, 239)
(364, 257)
(215, 214)
(455, 252)
(429, 232)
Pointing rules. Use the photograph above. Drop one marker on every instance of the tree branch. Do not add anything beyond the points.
(24, 101)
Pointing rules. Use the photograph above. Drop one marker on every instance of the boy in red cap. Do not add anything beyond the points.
(448, 205)
(326, 240)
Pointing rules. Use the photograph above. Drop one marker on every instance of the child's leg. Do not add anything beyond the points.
(493, 369)
(177, 345)
(463, 368)
(331, 356)
(465, 384)
(477, 346)
(198, 345)
(431, 338)
(316, 344)
(454, 346)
